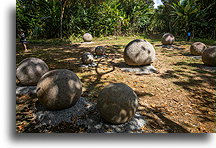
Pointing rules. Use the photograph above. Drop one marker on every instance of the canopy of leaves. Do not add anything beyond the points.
(65, 18)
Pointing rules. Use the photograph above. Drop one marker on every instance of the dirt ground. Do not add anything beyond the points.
(180, 98)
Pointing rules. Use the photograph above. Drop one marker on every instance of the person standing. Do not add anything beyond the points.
(188, 36)
(23, 40)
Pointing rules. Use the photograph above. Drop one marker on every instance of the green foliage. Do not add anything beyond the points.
(181, 16)
(71, 19)
(100, 18)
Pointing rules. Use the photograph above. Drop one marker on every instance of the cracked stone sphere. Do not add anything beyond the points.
(59, 89)
(197, 48)
(100, 50)
(139, 52)
(87, 58)
(167, 39)
(30, 70)
(117, 103)
(209, 56)
(87, 37)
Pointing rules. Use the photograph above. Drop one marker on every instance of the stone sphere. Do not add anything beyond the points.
(139, 52)
(30, 70)
(59, 89)
(100, 50)
(197, 48)
(87, 58)
(117, 103)
(87, 37)
(168, 39)
(209, 56)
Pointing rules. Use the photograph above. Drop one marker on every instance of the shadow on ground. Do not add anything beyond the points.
(199, 81)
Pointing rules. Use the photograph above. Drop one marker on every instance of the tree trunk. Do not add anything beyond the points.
(61, 18)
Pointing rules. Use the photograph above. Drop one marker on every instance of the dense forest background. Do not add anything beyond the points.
(73, 18)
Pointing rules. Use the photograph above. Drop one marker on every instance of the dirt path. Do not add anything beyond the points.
(179, 98)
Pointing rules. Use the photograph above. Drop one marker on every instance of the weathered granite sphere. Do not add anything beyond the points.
(117, 103)
(209, 56)
(139, 52)
(197, 48)
(87, 58)
(59, 89)
(167, 39)
(87, 37)
(100, 50)
(30, 70)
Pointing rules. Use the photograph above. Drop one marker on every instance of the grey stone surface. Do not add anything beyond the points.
(59, 89)
(209, 56)
(195, 57)
(23, 90)
(100, 50)
(87, 37)
(148, 69)
(197, 48)
(117, 103)
(30, 70)
(88, 65)
(139, 52)
(51, 117)
(87, 58)
(88, 117)
(167, 39)
(87, 42)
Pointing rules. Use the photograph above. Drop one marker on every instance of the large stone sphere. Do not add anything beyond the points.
(167, 39)
(87, 37)
(87, 58)
(139, 52)
(30, 70)
(59, 89)
(100, 50)
(197, 48)
(117, 103)
(209, 56)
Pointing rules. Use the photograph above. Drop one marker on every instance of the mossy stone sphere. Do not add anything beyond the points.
(139, 52)
(30, 70)
(117, 103)
(59, 89)
(87, 58)
(209, 56)
(197, 48)
(87, 37)
(167, 39)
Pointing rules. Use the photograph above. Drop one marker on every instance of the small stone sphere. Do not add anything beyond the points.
(197, 48)
(117, 103)
(139, 52)
(30, 70)
(167, 39)
(100, 50)
(59, 89)
(209, 56)
(87, 37)
(87, 58)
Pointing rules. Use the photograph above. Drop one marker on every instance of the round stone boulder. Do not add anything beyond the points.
(197, 48)
(100, 50)
(209, 56)
(59, 89)
(167, 39)
(30, 70)
(87, 37)
(139, 52)
(117, 103)
(87, 58)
